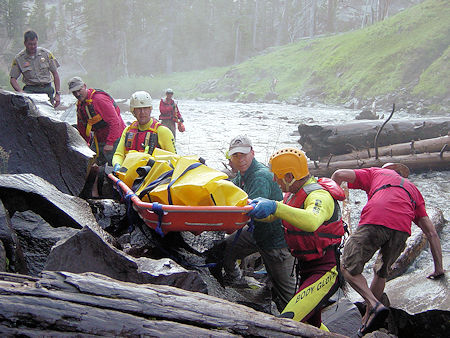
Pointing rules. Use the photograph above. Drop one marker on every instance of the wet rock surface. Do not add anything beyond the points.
(40, 144)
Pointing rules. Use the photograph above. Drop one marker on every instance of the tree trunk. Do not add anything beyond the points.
(413, 147)
(416, 163)
(321, 141)
(93, 304)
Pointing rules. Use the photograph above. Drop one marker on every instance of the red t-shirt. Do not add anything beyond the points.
(391, 207)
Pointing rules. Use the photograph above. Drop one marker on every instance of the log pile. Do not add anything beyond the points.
(420, 144)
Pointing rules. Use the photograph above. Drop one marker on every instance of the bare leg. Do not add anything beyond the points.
(359, 283)
(377, 286)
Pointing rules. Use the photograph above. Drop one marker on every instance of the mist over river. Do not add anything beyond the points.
(211, 125)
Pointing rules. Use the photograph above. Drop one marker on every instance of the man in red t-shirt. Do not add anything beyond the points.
(385, 224)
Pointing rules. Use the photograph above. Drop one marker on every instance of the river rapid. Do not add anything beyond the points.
(211, 125)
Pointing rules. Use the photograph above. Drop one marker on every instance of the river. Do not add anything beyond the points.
(211, 125)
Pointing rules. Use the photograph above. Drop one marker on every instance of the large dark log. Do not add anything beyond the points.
(39, 143)
(92, 304)
(414, 147)
(321, 141)
(416, 163)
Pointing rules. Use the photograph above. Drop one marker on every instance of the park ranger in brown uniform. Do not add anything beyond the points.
(36, 65)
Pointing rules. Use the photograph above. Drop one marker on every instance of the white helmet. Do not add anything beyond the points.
(140, 99)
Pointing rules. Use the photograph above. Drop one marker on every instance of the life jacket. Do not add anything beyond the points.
(87, 114)
(145, 140)
(308, 246)
(168, 111)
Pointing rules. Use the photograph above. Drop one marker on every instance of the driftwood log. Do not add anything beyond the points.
(321, 141)
(416, 244)
(416, 163)
(68, 304)
(414, 147)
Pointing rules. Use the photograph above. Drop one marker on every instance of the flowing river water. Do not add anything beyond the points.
(211, 125)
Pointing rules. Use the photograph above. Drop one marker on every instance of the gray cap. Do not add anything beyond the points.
(75, 83)
(169, 91)
(240, 144)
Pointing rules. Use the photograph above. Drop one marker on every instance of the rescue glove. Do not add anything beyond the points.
(262, 208)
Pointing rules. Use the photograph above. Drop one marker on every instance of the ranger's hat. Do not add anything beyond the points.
(240, 144)
(401, 169)
(75, 83)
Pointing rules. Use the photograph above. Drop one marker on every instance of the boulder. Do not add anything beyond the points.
(90, 250)
(37, 238)
(22, 192)
(40, 144)
(109, 214)
(10, 243)
(342, 316)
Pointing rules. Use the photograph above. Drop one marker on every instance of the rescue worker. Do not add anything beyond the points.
(313, 230)
(267, 238)
(38, 67)
(98, 119)
(170, 114)
(385, 224)
(145, 134)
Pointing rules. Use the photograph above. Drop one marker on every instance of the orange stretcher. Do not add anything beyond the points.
(165, 218)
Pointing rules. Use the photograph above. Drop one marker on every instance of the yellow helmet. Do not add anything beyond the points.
(289, 160)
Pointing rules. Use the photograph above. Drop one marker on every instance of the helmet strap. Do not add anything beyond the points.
(288, 184)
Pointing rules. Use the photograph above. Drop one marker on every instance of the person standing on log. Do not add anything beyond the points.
(385, 224)
(38, 67)
(313, 226)
(145, 134)
(266, 238)
(170, 114)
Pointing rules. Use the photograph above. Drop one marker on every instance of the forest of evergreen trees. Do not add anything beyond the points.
(111, 38)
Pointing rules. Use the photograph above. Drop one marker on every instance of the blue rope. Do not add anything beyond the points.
(157, 208)
(130, 210)
(192, 166)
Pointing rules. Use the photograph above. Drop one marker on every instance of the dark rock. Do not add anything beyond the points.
(342, 316)
(37, 238)
(367, 115)
(89, 250)
(2, 257)
(109, 214)
(41, 144)
(10, 243)
(30, 192)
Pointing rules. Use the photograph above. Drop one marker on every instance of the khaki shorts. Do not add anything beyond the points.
(365, 241)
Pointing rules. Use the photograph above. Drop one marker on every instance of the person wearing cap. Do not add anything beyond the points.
(98, 119)
(267, 238)
(145, 134)
(385, 224)
(170, 114)
(313, 226)
(38, 68)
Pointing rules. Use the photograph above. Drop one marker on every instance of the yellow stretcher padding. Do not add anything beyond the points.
(133, 160)
(159, 168)
(226, 193)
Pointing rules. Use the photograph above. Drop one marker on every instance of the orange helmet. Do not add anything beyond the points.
(289, 160)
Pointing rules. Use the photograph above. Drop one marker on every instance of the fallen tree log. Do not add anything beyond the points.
(320, 141)
(414, 147)
(415, 244)
(94, 304)
(416, 163)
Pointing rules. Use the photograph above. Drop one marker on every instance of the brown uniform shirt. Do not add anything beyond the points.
(36, 69)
